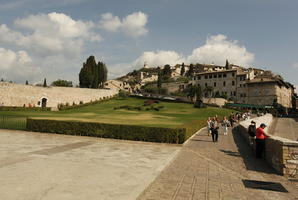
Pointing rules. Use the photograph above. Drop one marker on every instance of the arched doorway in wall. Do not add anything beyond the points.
(44, 102)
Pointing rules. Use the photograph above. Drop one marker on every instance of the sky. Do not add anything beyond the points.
(52, 38)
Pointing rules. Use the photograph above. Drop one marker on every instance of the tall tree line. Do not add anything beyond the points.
(92, 74)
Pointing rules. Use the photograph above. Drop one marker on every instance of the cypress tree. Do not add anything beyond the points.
(45, 82)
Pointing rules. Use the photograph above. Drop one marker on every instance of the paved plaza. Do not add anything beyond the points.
(207, 170)
(38, 166)
(48, 166)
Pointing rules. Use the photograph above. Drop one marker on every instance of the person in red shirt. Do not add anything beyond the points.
(260, 140)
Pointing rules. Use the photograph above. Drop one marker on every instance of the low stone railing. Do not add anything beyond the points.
(280, 153)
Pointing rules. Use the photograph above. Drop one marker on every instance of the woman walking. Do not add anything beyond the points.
(225, 124)
(208, 126)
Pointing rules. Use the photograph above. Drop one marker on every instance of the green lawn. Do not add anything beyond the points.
(172, 115)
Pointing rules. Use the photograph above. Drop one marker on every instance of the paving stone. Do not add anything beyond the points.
(218, 170)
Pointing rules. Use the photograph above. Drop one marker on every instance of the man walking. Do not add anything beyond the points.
(261, 136)
(214, 130)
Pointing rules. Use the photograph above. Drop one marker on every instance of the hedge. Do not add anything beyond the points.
(116, 131)
(193, 126)
(16, 108)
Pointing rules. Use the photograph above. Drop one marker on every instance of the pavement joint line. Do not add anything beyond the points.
(193, 187)
(207, 183)
(178, 187)
(214, 162)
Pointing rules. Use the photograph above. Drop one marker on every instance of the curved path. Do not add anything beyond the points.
(207, 170)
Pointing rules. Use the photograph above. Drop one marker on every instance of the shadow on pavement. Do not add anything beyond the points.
(230, 153)
(248, 156)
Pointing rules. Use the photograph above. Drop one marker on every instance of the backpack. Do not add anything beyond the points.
(252, 130)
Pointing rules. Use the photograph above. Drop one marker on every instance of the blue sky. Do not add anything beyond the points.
(126, 33)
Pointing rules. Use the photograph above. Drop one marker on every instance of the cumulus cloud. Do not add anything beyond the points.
(295, 65)
(217, 49)
(132, 25)
(52, 33)
(158, 58)
(16, 65)
(110, 22)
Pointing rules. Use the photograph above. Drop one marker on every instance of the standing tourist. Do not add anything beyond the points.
(261, 136)
(252, 132)
(231, 119)
(214, 130)
(225, 123)
(208, 126)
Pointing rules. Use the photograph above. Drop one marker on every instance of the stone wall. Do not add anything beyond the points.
(217, 101)
(281, 153)
(17, 95)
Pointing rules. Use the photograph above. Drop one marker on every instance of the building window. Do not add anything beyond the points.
(199, 77)
(234, 93)
(210, 76)
(224, 75)
(214, 84)
(233, 74)
(214, 76)
(233, 82)
(206, 85)
(224, 83)
(206, 76)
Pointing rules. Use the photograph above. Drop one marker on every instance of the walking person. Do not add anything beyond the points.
(261, 136)
(214, 130)
(231, 119)
(209, 126)
(252, 132)
(225, 123)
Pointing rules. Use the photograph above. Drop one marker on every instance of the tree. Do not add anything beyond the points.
(195, 92)
(62, 83)
(102, 74)
(45, 82)
(209, 90)
(227, 64)
(159, 80)
(27, 83)
(166, 72)
(191, 70)
(93, 75)
(182, 70)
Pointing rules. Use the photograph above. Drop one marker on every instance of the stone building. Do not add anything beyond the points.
(246, 86)
(224, 82)
(266, 91)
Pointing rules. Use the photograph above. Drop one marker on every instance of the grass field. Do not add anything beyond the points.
(171, 115)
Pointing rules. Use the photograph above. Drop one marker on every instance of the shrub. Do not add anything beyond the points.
(116, 131)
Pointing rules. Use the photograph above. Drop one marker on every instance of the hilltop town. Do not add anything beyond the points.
(234, 83)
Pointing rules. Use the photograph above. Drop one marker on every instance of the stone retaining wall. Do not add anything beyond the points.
(17, 95)
(281, 153)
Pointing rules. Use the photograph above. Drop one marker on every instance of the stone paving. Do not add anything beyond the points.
(40, 166)
(207, 170)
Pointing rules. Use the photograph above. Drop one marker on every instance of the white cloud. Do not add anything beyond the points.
(295, 65)
(52, 33)
(110, 22)
(16, 65)
(217, 49)
(132, 25)
(158, 58)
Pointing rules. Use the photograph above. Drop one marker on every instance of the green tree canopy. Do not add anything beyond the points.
(93, 75)
(62, 83)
